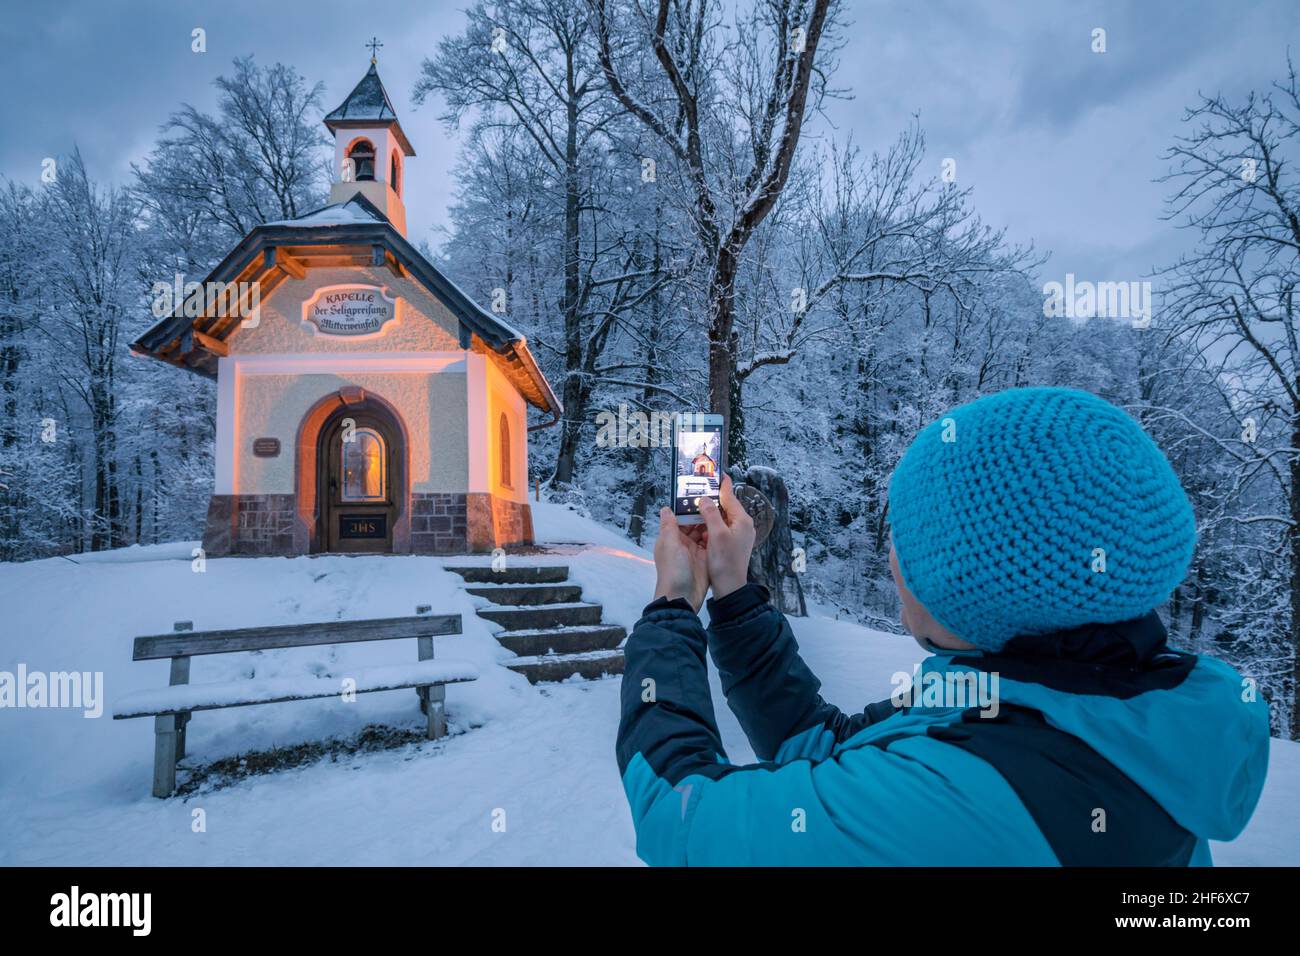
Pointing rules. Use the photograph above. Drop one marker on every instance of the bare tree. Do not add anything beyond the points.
(881, 227)
(91, 274)
(1234, 296)
(730, 114)
(528, 65)
(259, 159)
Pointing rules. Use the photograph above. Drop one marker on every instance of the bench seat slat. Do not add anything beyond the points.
(183, 698)
(193, 643)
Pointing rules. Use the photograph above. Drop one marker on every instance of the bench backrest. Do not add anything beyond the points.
(190, 643)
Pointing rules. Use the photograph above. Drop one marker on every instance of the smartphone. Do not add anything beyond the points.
(699, 452)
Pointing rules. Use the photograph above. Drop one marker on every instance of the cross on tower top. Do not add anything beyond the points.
(374, 46)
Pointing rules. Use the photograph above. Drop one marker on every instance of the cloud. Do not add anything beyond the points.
(1060, 143)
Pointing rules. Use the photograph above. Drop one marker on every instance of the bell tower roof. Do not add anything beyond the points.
(368, 106)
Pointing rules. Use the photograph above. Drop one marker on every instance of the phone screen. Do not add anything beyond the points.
(697, 461)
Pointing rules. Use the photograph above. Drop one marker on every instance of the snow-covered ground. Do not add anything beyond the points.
(540, 759)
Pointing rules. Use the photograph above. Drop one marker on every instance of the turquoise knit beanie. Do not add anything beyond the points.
(1037, 510)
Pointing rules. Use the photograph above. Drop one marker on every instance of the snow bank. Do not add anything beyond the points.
(76, 791)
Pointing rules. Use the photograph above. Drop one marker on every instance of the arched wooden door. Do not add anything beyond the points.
(357, 484)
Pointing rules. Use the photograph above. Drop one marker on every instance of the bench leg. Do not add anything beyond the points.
(164, 755)
(434, 698)
(182, 725)
(180, 674)
(424, 646)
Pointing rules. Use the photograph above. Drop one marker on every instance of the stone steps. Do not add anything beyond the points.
(526, 618)
(555, 633)
(532, 594)
(563, 640)
(558, 667)
(534, 574)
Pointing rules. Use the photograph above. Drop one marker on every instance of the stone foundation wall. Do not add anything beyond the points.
(513, 521)
(441, 523)
(251, 524)
(438, 523)
(449, 523)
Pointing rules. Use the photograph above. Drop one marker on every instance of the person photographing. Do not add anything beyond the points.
(1033, 534)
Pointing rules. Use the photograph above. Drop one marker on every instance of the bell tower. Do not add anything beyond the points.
(370, 149)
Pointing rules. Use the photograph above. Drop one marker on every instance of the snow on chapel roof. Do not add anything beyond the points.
(336, 214)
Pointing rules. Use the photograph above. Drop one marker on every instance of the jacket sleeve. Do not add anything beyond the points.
(769, 687)
(667, 708)
(667, 736)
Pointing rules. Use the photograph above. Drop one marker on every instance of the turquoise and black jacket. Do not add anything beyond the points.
(1105, 747)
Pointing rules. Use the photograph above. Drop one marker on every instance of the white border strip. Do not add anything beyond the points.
(224, 452)
(476, 404)
(358, 362)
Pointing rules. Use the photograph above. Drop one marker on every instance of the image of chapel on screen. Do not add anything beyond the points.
(698, 454)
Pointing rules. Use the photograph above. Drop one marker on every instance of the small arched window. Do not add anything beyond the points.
(362, 155)
(504, 429)
(394, 174)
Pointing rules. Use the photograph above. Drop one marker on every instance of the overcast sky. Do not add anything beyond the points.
(1060, 144)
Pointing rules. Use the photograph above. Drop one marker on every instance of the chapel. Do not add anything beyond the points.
(364, 402)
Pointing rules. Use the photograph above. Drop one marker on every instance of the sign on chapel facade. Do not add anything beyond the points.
(364, 403)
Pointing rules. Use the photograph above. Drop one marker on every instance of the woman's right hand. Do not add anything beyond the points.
(729, 541)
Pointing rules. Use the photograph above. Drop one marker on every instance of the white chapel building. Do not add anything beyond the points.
(364, 403)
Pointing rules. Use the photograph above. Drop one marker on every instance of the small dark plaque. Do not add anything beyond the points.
(363, 526)
(266, 447)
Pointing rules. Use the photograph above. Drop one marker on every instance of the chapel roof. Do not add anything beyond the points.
(368, 105)
(367, 101)
(358, 232)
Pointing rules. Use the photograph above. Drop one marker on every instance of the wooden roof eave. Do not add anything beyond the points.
(550, 402)
(249, 261)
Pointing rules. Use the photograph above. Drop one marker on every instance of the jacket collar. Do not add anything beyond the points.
(1130, 643)
(1113, 660)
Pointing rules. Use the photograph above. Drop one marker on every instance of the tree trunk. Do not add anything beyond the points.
(1295, 574)
(645, 482)
(138, 475)
(116, 515)
(722, 357)
(575, 392)
(570, 432)
(155, 471)
(737, 449)
(99, 530)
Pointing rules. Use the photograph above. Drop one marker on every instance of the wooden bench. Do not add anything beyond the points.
(172, 706)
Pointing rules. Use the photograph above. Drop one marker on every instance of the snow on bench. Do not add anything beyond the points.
(183, 698)
(172, 707)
